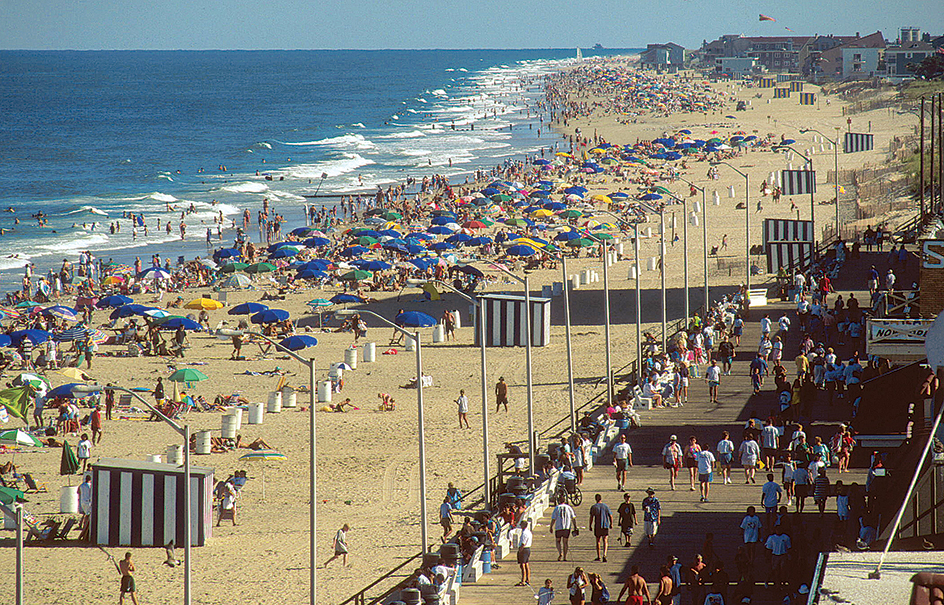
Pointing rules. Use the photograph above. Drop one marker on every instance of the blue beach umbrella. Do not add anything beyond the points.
(442, 246)
(375, 265)
(567, 236)
(115, 300)
(366, 233)
(227, 253)
(521, 250)
(186, 323)
(346, 298)
(63, 391)
(35, 336)
(311, 274)
(284, 253)
(316, 242)
(443, 220)
(247, 308)
(127, 311)
(297, 343)
(440, 230)
(318, 264)
(415, 319)
(5, 341)
(418, 235)
(479, 241)
(649, 197)
(354, 251)
(269, 316)
(459, 238)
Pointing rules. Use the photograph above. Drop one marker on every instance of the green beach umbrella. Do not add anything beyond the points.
(581, 243)
(8, 495)
(390, 215)
(365, 240)
(357, 275)
(486, 221)
(187, 375)
(571, 213)
(68, 464)
(660, 189)
(26, 304)
(603, 236)
(19, 437)
(517, 222)
(319, 302)
(233, 267)
(265, 456)
(261, 268)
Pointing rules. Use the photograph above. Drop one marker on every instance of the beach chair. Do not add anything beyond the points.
(44, 532)
(64, 533)
(31, 486)
(124, 401)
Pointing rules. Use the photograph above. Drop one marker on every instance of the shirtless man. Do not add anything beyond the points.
(664, 596)
(126, 568)
(637, 587)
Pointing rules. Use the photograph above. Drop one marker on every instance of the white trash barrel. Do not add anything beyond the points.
(289, 397)
(557, 288)
(632, 272)
(619, 249)
(696, 206)
(409, 345)
(546, 291)
(457, 318)
(594, 276)
(203, 445)
(69, 499)
(651, 265)
(155, 458)
(693, 219)
(256, 412)
(439, 333)
(324, 391)
(228, 426)
(175, 454)
(237, 412)
(648, 232)
(350, 357)
(275, 402)
(717, 198)
(370, 352)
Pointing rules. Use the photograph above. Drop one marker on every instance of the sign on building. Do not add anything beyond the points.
(855, 141)
(897, 339)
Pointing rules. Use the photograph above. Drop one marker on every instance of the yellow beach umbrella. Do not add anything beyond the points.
(542, 213)
(602, 198)
(204, 303)
(563, 154)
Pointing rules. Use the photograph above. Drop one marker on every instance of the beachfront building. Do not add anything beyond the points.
(662, 56)
(736, 67)
(796, 54)
(859, 58)
(900, 58)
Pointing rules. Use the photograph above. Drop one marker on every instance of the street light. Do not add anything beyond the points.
(570, 358)
(419, 404)
(747, 221)
(835, 145)
(183, 431)
(684, 248)
(704, 232)
(480, 310)
(312, 469)
(527, 354)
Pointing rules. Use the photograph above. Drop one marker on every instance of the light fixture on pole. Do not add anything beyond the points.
(747, 222)
(704, 233)
(662, 272)
(480, 312)
(835, 145)
(312, 468)
(532, 444)
(419, 405)
(183, 431)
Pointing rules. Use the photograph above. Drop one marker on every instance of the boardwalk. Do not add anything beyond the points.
(686, 520)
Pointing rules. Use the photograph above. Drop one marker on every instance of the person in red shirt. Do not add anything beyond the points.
(95, 423)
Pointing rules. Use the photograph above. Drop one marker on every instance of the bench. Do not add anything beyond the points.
(757, 297)
(640, 400)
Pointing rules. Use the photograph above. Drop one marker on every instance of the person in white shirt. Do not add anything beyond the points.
(749, 453)
(706, 466)
(562, 521)
(463, 404)
(784, 322)
(725, 449)
(713, 376)
(778, 543)
(770, 443)
(751, 525)
(770, 498)
(765, 324)
(623, 459)
(83, 450)
(524, 554)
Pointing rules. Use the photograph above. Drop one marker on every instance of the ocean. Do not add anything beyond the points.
(87, 136)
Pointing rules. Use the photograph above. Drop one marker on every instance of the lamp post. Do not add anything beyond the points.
(183, 431)
(747, 222)
(419, 405)
(480, 311)
(835, 145)
(312, 468)
(684, 249)
(704, 233)
(527, 353)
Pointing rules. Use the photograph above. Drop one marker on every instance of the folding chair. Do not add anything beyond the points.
(31, 487)
(64, 533)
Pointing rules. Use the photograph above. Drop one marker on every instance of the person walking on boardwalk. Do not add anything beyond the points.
(563, 519)
(524, 554)
(672, 459)
(627, 519)
(623, 459)
(713, 376)
(501, 394)
(651, 515)
(690, 459)
(601, 520)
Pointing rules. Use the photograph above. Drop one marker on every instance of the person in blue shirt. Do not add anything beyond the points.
(601, 520)
(758, 371)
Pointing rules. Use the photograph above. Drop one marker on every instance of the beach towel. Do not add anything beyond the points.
(389, 352)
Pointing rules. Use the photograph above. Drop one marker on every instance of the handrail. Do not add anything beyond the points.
(360, 598)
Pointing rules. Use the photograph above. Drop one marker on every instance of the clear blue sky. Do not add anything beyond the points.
(371, 24)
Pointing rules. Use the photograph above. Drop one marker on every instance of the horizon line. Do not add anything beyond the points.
(307, 49)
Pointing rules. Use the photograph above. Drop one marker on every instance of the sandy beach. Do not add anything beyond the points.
(367, 459)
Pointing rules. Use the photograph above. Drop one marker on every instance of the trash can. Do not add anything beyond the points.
(275, 402)
(228, 426)
(175, 454)
(69, 499)
(324, 391)
(256, 412)
(289, 397)
(350, 357)
(439, 333)
(203, 445)
(370, 352)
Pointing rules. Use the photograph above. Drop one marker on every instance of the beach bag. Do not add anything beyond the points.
(604, 596)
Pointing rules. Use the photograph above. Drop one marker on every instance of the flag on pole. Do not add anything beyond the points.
(766, 18)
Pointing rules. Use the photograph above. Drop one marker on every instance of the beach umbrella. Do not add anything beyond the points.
(75, 374)
(364, 240)
(127, 311)
(284, 252)
(68, 463)
(32, 380)
(61, 311)
(113, 280)
(319, 302)
(115, 300)
(316, 242)
(567, 236)
(73, 333)
(519, 222)
(35, 336)
(153, 273)
(651, 197)
(269, 316)
(172, 323)
(659, 189)
(97, 336)
(247, 308)
(311, 274)
(204, 303)
(346, 298)
(8, 495)
(187, 375)
(581, 243)
(375, 265)
(415, 319)
(316, 264)
(459, 238)
(9, 313)
(474, 224)
(264, 456)
(234, 267)
(571, 213)
(390, 215)
(19, 437)
(261, 268)
(236, 281)
(27, 304)
(357, 275)
(354, 251)
(5, 341)
(154, 313)
(440, 230)
(541, 162)
(542, 213)
(470, 270)
(63, 391)
(442, 246)
(301, 231)
(521, 250)
(365, 233)
(227, 253)
(297, 343)
(479, 241)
